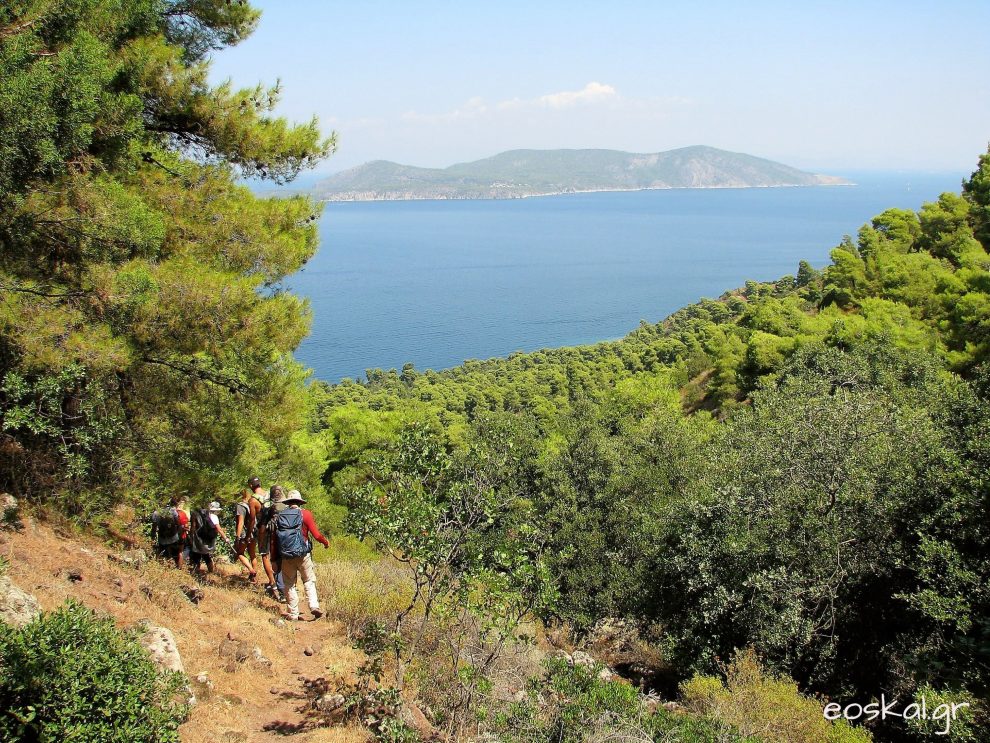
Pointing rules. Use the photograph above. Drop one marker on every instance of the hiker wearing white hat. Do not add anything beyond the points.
(292, 528)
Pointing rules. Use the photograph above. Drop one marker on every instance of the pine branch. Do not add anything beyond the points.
(40, 293)
(197, 371)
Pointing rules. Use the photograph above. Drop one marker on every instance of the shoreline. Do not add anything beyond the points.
(352, 199)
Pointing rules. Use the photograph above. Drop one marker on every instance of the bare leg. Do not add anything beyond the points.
(253, 551)
(266, 561)
(245, 561)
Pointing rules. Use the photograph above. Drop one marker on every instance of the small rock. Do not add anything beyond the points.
(606, 674)
(581, 658)
(134, 558)
(259, 658)
(75, 576)
(17, 607)
(308, 651)
(195, 595)
(278, 623)
(203, 685)
(9, 514)
(519, 697)
(235, 650)
(329, 702)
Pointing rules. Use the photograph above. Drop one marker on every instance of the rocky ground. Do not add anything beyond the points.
(255, 676)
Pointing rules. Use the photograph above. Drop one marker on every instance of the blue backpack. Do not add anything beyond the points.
(288, 530)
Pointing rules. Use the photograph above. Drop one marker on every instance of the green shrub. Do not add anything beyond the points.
(759, 704)
(564, 704)
(571, 704)
(73, 676)
(939, 724)
(343, 546)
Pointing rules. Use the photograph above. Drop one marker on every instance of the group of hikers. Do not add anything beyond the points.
(270, 524)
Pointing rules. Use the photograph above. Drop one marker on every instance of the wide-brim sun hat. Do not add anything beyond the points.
(294, 496)
(215, 507)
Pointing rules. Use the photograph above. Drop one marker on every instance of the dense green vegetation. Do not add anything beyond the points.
(145, 345)
(798, 467)
(72, 676)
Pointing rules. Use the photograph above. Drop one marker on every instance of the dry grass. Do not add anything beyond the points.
(355, 592)
(246, 699)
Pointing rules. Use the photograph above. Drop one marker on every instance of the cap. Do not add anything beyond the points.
(254, 482)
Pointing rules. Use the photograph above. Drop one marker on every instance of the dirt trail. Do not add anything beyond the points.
(250, 700)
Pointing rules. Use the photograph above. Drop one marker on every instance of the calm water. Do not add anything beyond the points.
(438, 282)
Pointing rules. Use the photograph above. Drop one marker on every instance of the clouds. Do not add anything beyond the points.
(591, 93)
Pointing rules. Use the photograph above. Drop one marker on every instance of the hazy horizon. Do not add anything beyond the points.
(891, 86)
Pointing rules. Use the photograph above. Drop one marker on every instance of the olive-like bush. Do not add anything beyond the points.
(73, 676)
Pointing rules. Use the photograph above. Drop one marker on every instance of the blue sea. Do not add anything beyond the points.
(438, 282)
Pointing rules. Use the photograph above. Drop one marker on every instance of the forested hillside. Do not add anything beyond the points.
(798, 467)
(778, 493)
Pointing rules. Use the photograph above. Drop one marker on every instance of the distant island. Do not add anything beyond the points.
(521, 173)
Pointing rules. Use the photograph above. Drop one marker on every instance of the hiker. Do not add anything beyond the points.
(246, 531)
(168, 530)
(277, 494)
(266, 510)
(205, 528)
(182, 506)
(291, 529)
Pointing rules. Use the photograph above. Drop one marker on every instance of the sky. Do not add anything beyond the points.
(830, 87)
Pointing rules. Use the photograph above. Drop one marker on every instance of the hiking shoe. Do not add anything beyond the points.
(317, 613)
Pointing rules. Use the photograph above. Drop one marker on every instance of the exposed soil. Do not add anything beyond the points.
(249, 700)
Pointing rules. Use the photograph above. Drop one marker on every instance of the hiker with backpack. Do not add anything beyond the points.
(246, 531)
(168, 531)
(277, 501)
(205, 528)
(291, 529)
(266, 511)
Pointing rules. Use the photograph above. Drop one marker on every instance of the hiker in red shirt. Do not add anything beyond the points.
(169, 530)
(291, 530)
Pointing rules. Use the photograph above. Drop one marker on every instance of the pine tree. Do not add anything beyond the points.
(145, 342)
